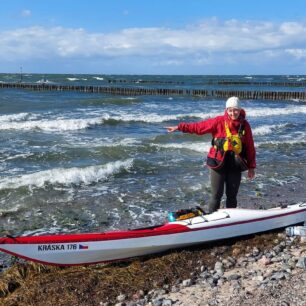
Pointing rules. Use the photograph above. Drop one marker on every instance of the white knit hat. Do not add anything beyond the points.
(233, 102)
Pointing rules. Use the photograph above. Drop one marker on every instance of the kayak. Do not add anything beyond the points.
(91, 248)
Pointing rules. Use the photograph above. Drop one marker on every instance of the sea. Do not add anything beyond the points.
(90, 162)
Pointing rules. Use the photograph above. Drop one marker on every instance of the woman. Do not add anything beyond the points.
(231, 153)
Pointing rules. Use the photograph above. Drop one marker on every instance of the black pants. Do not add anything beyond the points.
(229, 177)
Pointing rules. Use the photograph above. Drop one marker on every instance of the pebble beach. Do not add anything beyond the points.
(272, 277)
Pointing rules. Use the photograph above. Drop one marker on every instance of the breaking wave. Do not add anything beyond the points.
(267, 111)
(267, 129)
(16, 123)
(299, 141)
(27, 121)
(98, 78)
(17, 117)
(156, 118)
(197, 116)
(67, 177)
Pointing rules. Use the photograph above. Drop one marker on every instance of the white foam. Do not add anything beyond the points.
(98, 78)
(128, 98)
(156, 118)
(17, 156)
(267, 129)
(267, 111)
(75, 141)
(17, 117)
(285, 180)
(72, 79)
(11, 210)
(44, 81)
(66, 176)
(289, 141)
(44, 231)
(197, 147)
(51, 125)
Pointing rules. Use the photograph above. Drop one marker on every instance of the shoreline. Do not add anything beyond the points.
(237, 272)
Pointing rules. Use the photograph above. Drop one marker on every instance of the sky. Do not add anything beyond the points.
(195, 37)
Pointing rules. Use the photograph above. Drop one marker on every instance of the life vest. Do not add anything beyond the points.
(233, 142)
(230, 143)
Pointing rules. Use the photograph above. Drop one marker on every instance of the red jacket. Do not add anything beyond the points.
(216, 127)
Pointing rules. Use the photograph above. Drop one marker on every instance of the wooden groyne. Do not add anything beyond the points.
(210, 82)
(136, 91)
(254, 83)
(262, 95)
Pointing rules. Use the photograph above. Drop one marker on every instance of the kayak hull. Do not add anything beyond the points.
(90, 248)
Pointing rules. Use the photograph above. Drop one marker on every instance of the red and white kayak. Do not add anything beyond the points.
(90, 248)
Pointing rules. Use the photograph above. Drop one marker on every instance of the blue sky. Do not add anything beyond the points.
(153, 36)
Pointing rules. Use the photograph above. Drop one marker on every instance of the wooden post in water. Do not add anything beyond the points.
(134, 91)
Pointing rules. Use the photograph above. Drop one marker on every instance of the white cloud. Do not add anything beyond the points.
(297, 53)
(204, 43)
(26, 13)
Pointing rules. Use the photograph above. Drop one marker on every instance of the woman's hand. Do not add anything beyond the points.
(171, 129)
(251, 173)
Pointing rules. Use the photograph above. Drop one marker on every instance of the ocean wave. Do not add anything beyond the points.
(111, 100)
(17, 117)
(125, 142)
(298, 141)
(44, 81)
(98, 78)
(19, 156)
(74, 141)
(66, 177)
(193, 146)
(51, 125)
(205, 146)
(267, 129)
(156, 118)
(45, 231)
(197, 116)
(76, 79)
(267, 111)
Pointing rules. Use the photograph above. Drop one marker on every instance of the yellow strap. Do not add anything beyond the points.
(227, 130)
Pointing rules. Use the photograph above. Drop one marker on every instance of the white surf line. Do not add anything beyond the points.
(66, 176)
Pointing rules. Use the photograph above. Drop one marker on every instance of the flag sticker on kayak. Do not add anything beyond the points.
(83, 247)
